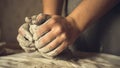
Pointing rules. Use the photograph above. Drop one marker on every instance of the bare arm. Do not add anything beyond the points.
(52, 7)
(90, 10)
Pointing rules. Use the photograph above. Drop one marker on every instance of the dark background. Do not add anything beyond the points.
(12, 14)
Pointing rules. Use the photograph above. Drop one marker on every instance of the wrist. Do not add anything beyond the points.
(52, 12)
(73, 23)
(80, 21)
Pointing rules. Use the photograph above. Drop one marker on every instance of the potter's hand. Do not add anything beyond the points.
(25, 38)
(26, 31)
(53, 36)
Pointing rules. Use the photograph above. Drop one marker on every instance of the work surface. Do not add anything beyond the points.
(79, 60)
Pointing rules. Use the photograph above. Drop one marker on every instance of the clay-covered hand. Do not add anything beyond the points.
(25, 34)
(25, 38)
(26, 31)
(53, 36)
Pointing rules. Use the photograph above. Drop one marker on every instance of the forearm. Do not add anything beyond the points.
(52, 7)
(90, 10)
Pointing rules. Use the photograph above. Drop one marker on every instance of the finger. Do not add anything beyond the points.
(29, 50)
(41, 18)
(25, 44)
(47, 38)
(44, 28)
(32, 29)
(58, 50)
(44, 40)
(40, 31)
(52, 45)
(24, 31)
(33, 19)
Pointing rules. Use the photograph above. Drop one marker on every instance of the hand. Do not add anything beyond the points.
(53, 36)
(25, 38)
(26, 31)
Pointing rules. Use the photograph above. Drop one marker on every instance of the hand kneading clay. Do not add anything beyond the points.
(27, 40)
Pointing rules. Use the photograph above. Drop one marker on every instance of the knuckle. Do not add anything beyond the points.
(59, 29)
(64, 36)
(52, 21)
(51, 47)
(57, 43)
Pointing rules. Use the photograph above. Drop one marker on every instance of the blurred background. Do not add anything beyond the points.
(12, 14)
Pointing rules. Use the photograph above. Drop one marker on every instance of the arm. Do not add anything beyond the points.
(52, 7)
(90, 10)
